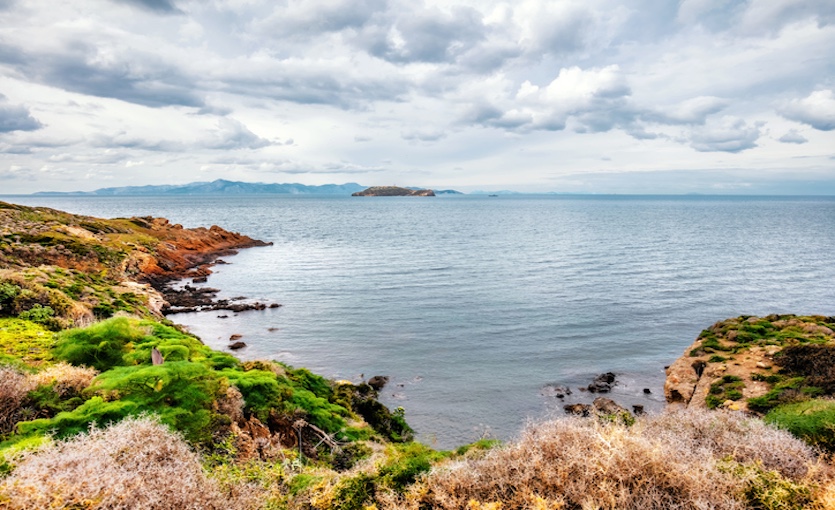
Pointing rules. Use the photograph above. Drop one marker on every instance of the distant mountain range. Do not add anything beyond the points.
(224, 187)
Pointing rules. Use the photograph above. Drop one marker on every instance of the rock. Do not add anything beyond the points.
(638, 410)
(608, 406)
(602, 383)
(237, 345)
(235, 337)
(378, 381)
(762, 364)
(553, 390)
(275, 305)
(647, 391)
(583, 410)
(200, 279)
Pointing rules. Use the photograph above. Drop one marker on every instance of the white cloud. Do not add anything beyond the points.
(728, 134)
(816, 110)
(792, 136)
(477, 86)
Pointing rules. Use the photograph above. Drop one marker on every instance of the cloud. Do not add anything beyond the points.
(312, 18)
(232, 134)
(423, 135)
(793, 137)
(596, 99)
(816, 110)
(428, 35)
(15, 172)
(16, 118)
(161, 6)
(690, 111)
(106, 68)
(729, 134)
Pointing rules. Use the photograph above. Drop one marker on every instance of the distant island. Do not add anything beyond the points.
(224, 187)
(393, 191)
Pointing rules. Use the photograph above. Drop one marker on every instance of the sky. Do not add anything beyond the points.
(590, 96)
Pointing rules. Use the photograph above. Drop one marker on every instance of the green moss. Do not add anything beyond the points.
(768, 490)
(480, 445)
(26, 341)
(813, 421)
(101, 345)
(785, 392)
(406, 462)
(729, 387)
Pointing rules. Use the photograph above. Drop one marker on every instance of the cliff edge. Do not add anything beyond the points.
(755, 364)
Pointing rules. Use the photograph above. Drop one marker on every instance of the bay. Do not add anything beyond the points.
(473, 304)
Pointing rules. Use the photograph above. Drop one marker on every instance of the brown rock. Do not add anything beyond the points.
(237, 345)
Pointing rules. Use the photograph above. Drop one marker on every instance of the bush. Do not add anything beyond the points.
(137, 463)
(815, 362)
(813, 421)
(674, 460)
(101, 345)
(14, 387)
(8, 292)
(43, 315)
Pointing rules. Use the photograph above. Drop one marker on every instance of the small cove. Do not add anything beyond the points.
(472, 304)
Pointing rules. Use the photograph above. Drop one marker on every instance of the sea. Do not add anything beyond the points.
(477, 307)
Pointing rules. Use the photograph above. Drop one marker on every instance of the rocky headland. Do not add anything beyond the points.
(85, 268)
(755, 364)
(393, 191)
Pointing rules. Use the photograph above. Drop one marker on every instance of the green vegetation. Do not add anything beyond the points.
(729, 387)
(812, 420)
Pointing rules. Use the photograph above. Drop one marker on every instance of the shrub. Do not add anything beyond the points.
(181, 392)
(813, 421)
(14, 387)
(784, 392)
(137, 463)
(43, 315)
(815, 362)
(8, 292)
(675, 460)
(101, 345)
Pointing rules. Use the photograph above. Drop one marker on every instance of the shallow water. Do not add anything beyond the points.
(473, 304)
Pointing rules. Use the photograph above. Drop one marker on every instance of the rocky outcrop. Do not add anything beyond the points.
(736, 360)
(393, 191)
(133, 260)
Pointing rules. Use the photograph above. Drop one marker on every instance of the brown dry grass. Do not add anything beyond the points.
(134, 464)
(14, 386)
(68, 380)
(675, 460)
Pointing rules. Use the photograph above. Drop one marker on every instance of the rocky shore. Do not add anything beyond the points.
(755, 364)
(107, 265)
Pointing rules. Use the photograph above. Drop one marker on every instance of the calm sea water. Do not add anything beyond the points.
(473, 304)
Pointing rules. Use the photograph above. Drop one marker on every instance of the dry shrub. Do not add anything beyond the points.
(14, 386)
(675, 460)
(68, 380)
(136, 463)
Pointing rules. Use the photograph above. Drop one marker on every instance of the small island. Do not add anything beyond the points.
(393, 191)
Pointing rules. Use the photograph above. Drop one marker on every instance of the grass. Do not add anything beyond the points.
(22, 341)
(812, 420)
(728, 387)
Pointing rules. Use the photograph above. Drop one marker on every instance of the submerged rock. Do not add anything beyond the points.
(602, 383)
(378, 382)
